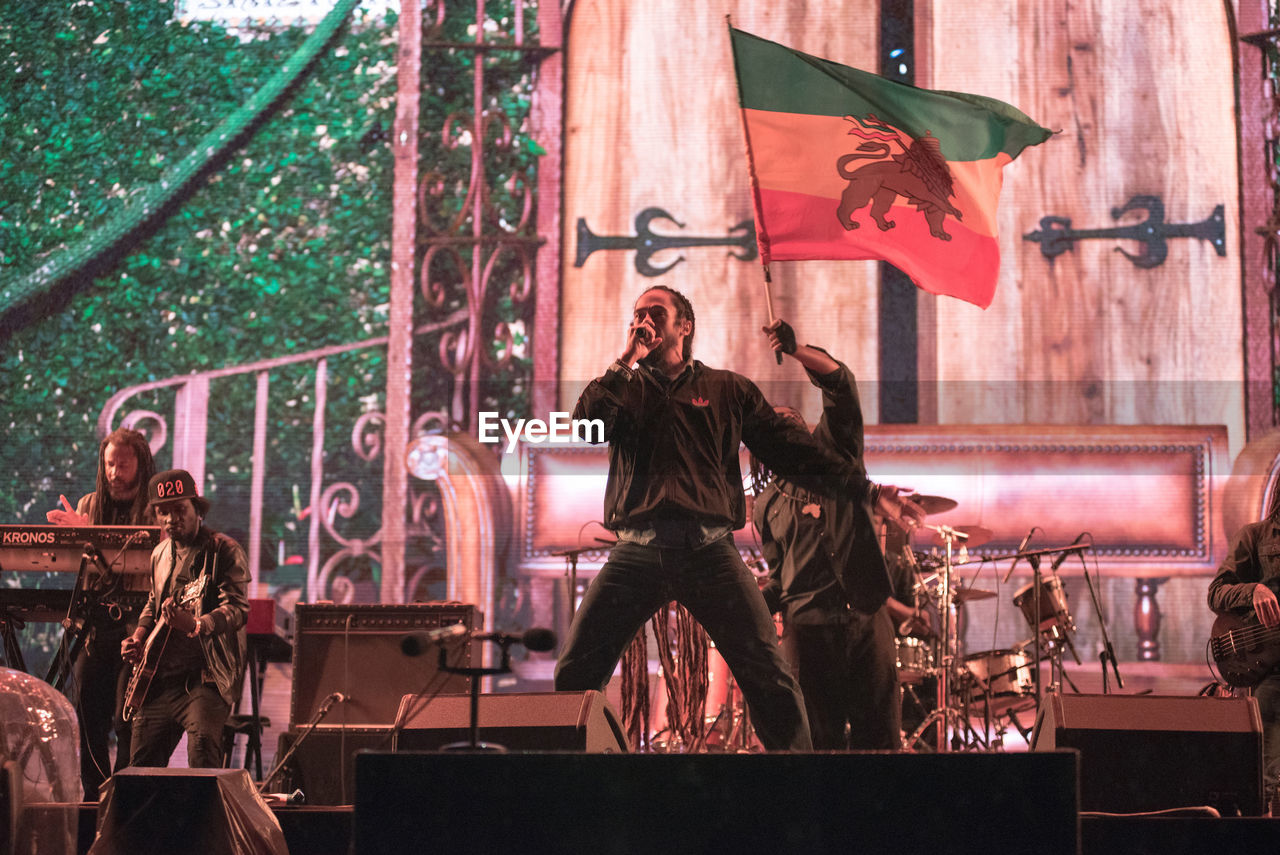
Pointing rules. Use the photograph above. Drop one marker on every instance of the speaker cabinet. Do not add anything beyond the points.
(355, 650)
(1149, 752)
(147, 810)
(324, 764)
(528, 721)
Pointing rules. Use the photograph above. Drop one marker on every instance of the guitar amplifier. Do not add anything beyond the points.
(355, 650)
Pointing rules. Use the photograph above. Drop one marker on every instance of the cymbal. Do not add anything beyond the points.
(934, 504)
(966, 595)
(977, 535)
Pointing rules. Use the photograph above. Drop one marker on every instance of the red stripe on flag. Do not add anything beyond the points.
(802, 227)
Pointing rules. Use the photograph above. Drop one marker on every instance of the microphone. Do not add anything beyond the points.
(418, 643)
(333, 698)
(1057, 562)
(536, 639)
(90, 552)
(1017, 555)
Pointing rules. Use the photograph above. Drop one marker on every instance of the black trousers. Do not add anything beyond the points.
(174, 706)
(849, 679)
(719, 591)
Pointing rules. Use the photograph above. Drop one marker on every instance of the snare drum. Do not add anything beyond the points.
(1055, 618)
(915, 659)
(1004, 676)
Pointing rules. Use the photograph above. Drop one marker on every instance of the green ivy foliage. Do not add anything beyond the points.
(284, 249)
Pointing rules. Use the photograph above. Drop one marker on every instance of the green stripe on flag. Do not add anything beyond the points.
(969, 127)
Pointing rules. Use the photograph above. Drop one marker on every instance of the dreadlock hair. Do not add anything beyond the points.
(684, 309)
(137, 443)
(759, 473)
(1273, 502)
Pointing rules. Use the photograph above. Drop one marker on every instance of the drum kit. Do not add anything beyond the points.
(977, 696)
(971, 700)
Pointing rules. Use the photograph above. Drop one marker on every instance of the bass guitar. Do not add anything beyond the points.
(1243, 649)
(144, 671)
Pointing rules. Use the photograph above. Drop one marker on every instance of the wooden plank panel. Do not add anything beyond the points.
(1143, 94)
(652, 120)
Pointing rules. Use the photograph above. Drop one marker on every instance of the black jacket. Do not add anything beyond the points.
(226, 598)
(1254, 557)
(673, 446)
(821, 564)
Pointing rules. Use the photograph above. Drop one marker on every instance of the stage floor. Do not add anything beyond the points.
(557, 802)
(328, 831)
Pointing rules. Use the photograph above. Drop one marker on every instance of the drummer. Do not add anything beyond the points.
(827, 576)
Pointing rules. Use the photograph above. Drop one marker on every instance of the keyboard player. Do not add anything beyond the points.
(99, 678)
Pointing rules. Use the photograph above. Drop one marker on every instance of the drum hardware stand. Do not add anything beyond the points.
(945, 715)
(1012, 715)
(1033, 558)
(737, 736)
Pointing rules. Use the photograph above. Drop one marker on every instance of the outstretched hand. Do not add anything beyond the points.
(65, 515)
(891, 505)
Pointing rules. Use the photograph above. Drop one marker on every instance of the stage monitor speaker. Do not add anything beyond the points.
(531, 803)
(146, 810)
(1149, 752)
(324, 764)
(518, 721)
(355, 650)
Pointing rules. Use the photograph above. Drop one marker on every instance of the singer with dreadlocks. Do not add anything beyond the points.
(98, 675)
(827, 574)
(674, 497)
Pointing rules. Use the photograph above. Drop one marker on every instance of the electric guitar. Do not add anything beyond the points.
(1244, 650)
(144, 671)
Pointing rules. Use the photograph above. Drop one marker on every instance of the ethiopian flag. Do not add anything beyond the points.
(848, 165)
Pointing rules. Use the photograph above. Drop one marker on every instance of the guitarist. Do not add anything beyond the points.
(1249, 579)
(198, 674)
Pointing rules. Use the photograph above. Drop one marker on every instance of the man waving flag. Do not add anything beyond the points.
(848, 165)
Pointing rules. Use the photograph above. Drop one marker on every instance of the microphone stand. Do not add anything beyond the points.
(1034, 561)
(504, 667)
(571, 555)
(75, 626)
(1108, 653)
(323, 711)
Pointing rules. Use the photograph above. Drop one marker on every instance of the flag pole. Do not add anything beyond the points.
(768, 301)
(751, 171)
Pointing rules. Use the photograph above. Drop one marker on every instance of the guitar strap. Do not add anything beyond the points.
(162, 577)
(167, 585)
